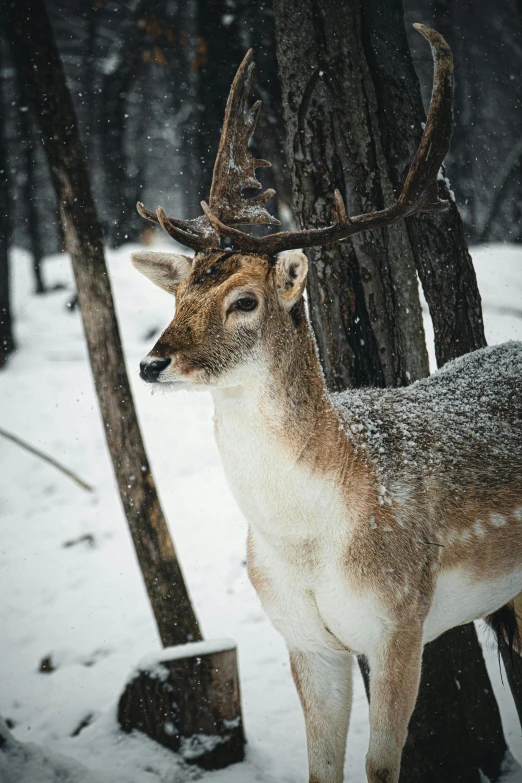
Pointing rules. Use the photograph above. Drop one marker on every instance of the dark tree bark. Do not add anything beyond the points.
(28, 193)
(450, 287)
(219, 52)
(186, 107)
(7, 344)
(376, 338)
(121, 223)
(36, 57)
(269, 141)
(353, 116)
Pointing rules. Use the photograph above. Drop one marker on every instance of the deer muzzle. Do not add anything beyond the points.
(150, 369)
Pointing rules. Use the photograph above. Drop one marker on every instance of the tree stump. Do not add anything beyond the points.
(187, 698)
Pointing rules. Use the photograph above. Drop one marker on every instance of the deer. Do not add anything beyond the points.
(377, 518)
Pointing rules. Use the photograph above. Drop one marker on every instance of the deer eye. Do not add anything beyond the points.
(246, 304)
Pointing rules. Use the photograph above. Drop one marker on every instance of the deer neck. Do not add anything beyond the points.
(280, 395)
(280, 439)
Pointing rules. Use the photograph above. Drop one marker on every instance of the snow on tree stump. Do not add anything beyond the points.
(187, 698)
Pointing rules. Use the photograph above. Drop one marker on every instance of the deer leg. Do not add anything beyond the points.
(324, 684)
(394, 682)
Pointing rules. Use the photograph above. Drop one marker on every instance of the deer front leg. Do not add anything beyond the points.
(394, 682)
(324, 684)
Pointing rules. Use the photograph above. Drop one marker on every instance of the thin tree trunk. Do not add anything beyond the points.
(354, 120)
(270, 138)
(90, 81)
(122, 223)
(441, 255)
(187, 100)
(7, 344)
(25, 127)
(218, 55)
(35, 55)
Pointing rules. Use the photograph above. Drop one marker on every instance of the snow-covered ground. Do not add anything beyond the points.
(69, 583)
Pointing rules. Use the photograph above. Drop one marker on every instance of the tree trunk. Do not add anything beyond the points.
(122, 223)
(36, 57)
(28, 192)
(363, 293)
(218, 55)
(354, 117)
(450, 287)
(269, 141)
(202, 723)
(7, 344)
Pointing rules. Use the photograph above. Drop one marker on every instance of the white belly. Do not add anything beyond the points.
(460, 599)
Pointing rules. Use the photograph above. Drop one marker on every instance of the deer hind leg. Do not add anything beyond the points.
(394, 682)
(324, 684)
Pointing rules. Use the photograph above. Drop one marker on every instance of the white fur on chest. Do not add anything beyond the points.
(301, 527)
(276, 492)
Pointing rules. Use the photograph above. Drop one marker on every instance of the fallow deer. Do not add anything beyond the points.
(378, 518)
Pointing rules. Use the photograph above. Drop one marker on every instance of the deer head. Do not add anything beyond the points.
(234, 305)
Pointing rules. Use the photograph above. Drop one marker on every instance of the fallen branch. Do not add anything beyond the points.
(46, 458)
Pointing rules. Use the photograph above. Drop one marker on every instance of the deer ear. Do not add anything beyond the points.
(291, 272)
(166, 270)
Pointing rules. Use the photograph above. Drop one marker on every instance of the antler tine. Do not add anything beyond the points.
(285, 240)
(200, 241)
(235, 168)
(196, 234)
(419, 193)
(420, 188)
(242, 240)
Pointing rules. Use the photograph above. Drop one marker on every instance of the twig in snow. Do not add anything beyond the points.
(46, 458)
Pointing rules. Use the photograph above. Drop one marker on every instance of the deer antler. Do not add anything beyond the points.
(235, 168)
(196, 234)
(419, 193)
(234, 171)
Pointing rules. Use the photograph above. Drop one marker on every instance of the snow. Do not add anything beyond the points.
(70, 586)
(438, 425)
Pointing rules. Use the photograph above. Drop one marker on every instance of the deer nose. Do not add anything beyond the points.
(151, 368)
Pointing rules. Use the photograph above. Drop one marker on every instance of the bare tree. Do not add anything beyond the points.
(36, 57)
(483, 166)
(27, 140)
(7, 344)
(218, 54)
